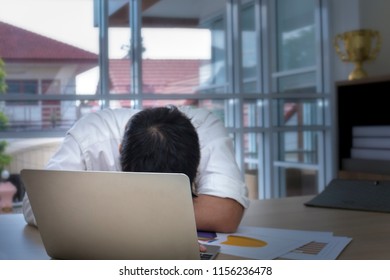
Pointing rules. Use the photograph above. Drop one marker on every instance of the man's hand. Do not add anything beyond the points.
(202, 248)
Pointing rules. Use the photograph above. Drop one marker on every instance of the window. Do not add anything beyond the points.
(16, 87)
(255, 63)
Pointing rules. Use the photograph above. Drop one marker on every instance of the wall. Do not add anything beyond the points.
(31, 153)
(374, 14)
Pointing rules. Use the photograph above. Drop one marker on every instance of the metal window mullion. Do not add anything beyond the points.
(230, 49)
(234, 42)
(135, 16)
(322, 67)
(103, 53)
(329, 154)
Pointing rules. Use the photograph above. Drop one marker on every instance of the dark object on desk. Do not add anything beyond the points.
(366, 195)
(206, 235)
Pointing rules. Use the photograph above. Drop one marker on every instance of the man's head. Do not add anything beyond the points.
(160, 140)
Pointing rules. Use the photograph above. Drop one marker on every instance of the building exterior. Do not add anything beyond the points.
(36, 65)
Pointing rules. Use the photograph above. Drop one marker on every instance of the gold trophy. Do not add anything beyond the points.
(359, 47)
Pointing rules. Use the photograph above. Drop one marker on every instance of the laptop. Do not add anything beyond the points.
(114, 215)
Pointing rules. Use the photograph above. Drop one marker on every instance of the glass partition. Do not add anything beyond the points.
(296, 33)
(255, 64)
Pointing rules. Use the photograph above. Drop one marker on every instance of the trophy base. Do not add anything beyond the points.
(357, 73)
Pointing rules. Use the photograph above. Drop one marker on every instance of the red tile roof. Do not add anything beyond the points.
(165, 76)
(158, 75)
(17, 44)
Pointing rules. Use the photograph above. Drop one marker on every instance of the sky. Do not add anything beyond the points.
(71, 22)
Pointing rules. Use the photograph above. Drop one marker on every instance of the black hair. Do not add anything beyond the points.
(160, 139)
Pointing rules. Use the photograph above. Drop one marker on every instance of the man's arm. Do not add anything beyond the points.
(222, 193)
(217, 214)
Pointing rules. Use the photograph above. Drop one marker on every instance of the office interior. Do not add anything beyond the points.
(268, 68)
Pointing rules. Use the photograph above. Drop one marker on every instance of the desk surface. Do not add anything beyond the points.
(370, 230)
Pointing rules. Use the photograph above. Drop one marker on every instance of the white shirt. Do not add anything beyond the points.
(93, 144)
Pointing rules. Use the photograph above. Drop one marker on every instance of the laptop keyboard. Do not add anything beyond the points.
(206, 256)
(211, 252)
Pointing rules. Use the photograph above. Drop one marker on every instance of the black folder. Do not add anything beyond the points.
(366, 195)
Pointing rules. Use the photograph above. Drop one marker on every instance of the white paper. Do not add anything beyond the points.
(284, 244)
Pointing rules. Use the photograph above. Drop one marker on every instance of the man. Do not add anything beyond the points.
(186, 140)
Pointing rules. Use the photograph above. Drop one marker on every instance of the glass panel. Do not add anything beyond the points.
(252, 160)
(38, 46)
(297, 112)
(164, 73)
(252, 182)
(59, 115)
(185, 51)
(217, 65)
(182, 51)
(250, 86)
(249, 49)
(299, 83)
(295, 34)
(45, 57)
(253, 114)
(298, 146)
(299, 181)
(251, 150)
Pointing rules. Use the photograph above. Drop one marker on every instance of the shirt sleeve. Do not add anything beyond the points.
(219, 174)
(68, 156)
(91, 144)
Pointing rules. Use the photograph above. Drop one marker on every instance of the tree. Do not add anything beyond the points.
(3, 85)
(4, 158)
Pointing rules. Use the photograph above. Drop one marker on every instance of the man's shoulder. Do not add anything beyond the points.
(107, 116)
(195, 113)
(112, 113)
(106, 122)
(198, 116)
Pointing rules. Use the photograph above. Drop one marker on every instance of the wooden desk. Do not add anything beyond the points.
(370, 231)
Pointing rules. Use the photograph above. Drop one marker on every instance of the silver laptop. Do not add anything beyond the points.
(114, 215)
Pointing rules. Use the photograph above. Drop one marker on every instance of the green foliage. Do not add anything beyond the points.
(4, 159)
(3, 85)
(3, 88)
(3, 121)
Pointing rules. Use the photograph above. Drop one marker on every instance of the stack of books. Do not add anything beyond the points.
(371, 142)
(370, 152)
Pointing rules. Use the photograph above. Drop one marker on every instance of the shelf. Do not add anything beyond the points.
(360, 103)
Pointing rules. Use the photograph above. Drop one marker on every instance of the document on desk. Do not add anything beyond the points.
(327, 248)
(271, 243)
